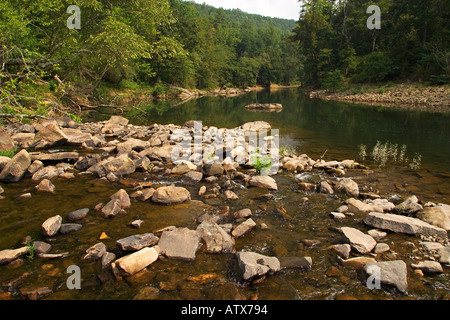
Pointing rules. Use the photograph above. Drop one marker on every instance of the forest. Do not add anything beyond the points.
(129, 45)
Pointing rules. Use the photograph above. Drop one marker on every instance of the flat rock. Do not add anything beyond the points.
(444, 255)
(54, 156)
(137, 242)
(428, 266)
(181, 244)
(359, 241)
(402, 224)
(254, 264)
(51, 226)
(192, 177)
(393, 273)
(357, 262)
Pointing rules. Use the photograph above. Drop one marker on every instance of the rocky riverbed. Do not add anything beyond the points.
(223, 231)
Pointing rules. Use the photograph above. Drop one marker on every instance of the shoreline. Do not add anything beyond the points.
(403, 96)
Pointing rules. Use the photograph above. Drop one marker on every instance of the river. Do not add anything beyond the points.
(307, 125)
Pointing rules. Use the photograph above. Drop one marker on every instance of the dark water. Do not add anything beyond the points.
(310, 126)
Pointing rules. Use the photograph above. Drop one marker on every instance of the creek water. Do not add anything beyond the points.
(307, 125)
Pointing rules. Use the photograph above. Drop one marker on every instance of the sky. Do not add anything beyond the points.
(287, 9)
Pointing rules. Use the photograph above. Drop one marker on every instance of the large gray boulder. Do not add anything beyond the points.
(254, 264)
(402, 224)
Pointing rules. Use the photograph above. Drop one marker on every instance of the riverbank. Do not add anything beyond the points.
(146, 226)
(404, 96)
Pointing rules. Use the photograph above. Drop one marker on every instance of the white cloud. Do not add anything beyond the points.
(287, 9)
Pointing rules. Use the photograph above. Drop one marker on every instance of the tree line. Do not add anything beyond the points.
(335, 44)
(130, 44)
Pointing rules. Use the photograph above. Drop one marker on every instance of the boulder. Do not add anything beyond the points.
(3, 162)
(410, 205)
(254, 264)
(181, 244)
(45, 186)
(78, 214)
(192, 177)
(94, 252)
(49, 172)
(392, 273)
(230, 195)
(171, 194)
(143, 195)
(215, 238)
(325, 187)
(243, 213)
(213, 169)
(402, 224)
(120, 166)
(264, 182)
(137, 242)
(132, 144)
(15, 169)
(434, 216)
(123, 197)
(163, 153)
(183, 168)
(444, 255)
(348, 187)
(359, 241)
(135, 262)
(48, 137)
(87, 161)
(111, 209)
(51, 226)
(243, 228)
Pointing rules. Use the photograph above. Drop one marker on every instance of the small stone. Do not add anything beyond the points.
(69, 227)
(243, 213)
(381, 248)
(41, 247)
(137, 242)
(51, 226)
(137, 224)
(377, 234)
(253, 264)
(94, 252)
(230, 195)
(243, 228)
(45, 186)
(337, 216)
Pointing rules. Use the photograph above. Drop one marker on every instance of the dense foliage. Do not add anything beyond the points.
(133, 44)
(413, 42)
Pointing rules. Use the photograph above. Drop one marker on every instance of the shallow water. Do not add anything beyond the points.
(311, 126)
